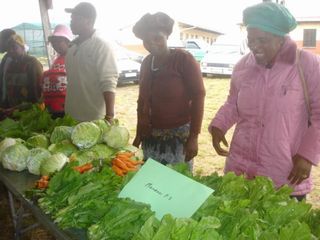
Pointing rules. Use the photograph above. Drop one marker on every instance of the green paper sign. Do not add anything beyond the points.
(166, 190)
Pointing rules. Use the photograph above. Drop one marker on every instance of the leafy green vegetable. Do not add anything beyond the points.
(239, 209)
(11, 128)
(38, 140)
(61, 186)
(313, 220)
(103, 151)
(15, 157)
(122, 221)
(85, 135)
(165, 228)
(61, 133)
(65, 147)
(53, 163)
(24, 125)
(27, 119)
(205, 229)
(97, 152)
(117, 137)
(104, 127)
(90, 202)
(83, 156)
(7, 142)
(182, 228)
(295, 231)
(35, 158)
(148, 229)
(66, 120)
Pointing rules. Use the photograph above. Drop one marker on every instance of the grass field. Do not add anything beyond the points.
(207, 161)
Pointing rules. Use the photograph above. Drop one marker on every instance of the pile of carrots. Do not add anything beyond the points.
(43, 182)
(122, 163)
(83, 168)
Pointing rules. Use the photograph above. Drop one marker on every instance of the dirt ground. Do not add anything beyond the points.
(206, 162)
(6, 224)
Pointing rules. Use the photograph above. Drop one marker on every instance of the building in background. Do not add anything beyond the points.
(188, 31)
(32, 34)
(307, 34)
(181, 32)
(34, 37)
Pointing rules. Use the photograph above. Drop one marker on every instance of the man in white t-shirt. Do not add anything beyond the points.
(91, 69)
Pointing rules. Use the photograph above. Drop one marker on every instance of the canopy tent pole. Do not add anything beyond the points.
(46, 26)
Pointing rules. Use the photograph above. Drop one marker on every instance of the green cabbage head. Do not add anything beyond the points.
(104, 126)
(15, 157)
(36, 157)
(7, 142)
(83, 156)
(116, 137)
(103, 151)
(66, 147)
(85, 135)
(39, 140)
(53, 163)
(60, 133)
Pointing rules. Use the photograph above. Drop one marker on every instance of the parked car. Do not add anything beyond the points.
(221, 59)
(174, 43)
(197, 47)
(135, 56)
(129, 69)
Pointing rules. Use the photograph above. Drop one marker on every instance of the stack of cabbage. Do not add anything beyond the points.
(85, 142)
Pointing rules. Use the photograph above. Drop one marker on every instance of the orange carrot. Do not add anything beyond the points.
(125, 154)
(42, 183)
(136, 162)
(119, 163)
(45, 177)
(83, 168)
(122, 157)
(117, 170)
(128, 163)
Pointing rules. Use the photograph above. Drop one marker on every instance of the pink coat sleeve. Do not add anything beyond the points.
(227, 115)
(310, 145)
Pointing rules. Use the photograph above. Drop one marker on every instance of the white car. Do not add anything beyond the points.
(129, 69)
(221, 59)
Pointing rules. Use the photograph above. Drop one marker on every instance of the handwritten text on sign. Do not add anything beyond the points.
(151, 187)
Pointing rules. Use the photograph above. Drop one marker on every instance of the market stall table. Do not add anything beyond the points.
(17, 183)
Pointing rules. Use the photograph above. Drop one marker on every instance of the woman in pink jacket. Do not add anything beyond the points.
(275, 134)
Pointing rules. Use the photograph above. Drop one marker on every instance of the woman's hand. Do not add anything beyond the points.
(301, 170)
(191, 147)
(217, 137)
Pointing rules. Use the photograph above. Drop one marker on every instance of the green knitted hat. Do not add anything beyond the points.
(269, 17)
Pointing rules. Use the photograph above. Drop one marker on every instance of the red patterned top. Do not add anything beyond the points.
(54, 86)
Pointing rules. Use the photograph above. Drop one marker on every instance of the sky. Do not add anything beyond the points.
(217, 15)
